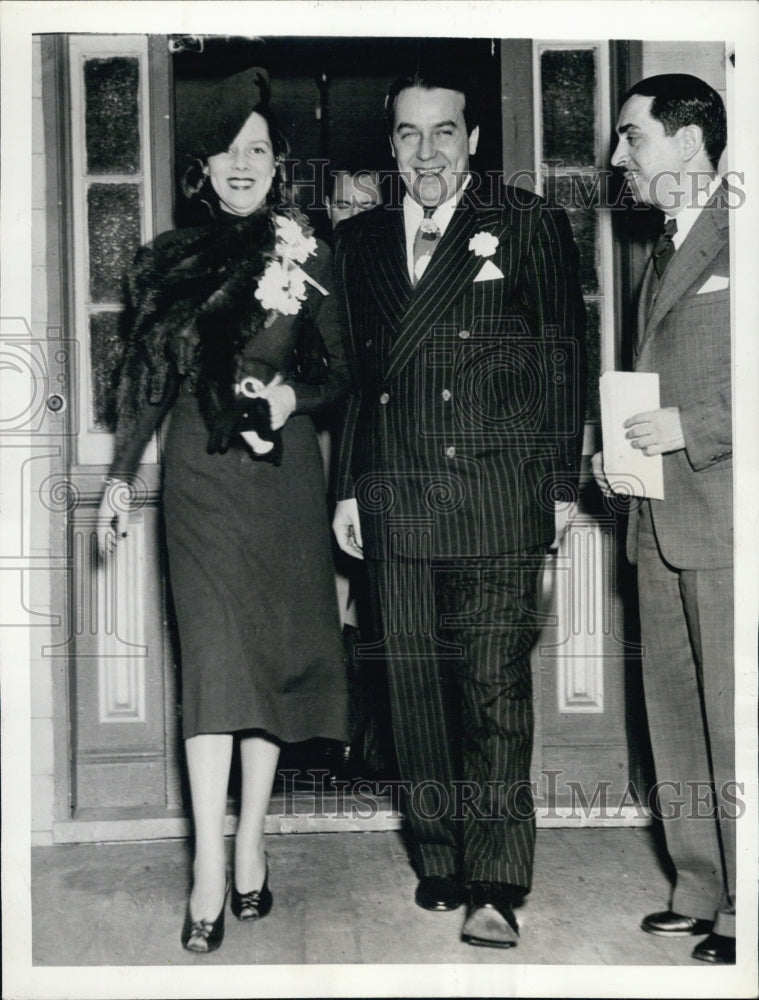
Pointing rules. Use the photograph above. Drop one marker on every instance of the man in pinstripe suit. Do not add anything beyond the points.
(672, 131)
(467, 414)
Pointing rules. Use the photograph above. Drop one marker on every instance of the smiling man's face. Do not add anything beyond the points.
(652, 161)
(430, 143)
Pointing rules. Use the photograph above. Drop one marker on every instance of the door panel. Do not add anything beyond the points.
(120, 677)
(123, 703)
(556, 127)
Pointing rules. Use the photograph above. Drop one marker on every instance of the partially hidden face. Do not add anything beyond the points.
(652, 161)
(242, 175)
(430, 143)
(353, 193)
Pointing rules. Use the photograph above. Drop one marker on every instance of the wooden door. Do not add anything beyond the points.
(107, 108)
(558, 99)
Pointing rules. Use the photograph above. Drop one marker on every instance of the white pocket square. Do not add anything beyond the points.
(716, 283)
(488, 272)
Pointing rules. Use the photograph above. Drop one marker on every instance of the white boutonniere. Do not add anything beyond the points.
(483, 244)
(282, 286)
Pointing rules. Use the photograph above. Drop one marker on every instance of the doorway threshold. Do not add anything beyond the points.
(301, 812)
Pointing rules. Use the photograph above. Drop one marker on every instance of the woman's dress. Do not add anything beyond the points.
(250, 564)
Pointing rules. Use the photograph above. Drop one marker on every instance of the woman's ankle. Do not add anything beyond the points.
(250, 867)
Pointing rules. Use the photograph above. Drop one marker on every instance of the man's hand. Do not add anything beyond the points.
(347, 528)
(281, 399)
(562, 515)
(597, 464)
(657, 431)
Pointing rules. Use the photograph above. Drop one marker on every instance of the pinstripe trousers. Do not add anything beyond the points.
(457, 638)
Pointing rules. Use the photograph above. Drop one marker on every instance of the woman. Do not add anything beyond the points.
(216, 312)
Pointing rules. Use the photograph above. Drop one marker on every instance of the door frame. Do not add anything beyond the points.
(56, 105)
(625, 66)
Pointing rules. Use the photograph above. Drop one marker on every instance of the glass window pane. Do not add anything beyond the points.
(112, 115)
(572, 194)
(113, 226)
(106, 349)
(568, 85)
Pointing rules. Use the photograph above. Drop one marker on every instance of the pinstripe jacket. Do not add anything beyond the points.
(686, 339)
(468, 399)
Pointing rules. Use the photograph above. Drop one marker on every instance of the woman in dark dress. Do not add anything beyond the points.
(215, 316)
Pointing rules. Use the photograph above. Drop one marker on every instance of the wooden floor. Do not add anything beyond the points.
(348, 898)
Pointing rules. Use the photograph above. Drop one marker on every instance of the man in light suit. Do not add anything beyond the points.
(465, 321)
(672, 131)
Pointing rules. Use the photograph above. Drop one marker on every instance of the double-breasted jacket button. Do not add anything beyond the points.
(450, 451)
(446, 395)
(385, 398)
(464, 334)
(369, 342)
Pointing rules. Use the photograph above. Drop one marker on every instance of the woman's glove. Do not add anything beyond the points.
(254, 425)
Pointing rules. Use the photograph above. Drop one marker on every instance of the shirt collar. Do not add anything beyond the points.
(687, 215)
(414, 213)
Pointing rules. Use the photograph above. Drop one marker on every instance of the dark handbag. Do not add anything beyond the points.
(310, 359)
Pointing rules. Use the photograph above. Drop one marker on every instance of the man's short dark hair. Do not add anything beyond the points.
(443, 79)
(680, 99)
(351, 168)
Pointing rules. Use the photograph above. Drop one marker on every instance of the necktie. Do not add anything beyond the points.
(426, 240)
(665, 248)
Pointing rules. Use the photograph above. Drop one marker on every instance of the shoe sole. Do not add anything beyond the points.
(712, 959)
(440, 907)
(696, 932)
(486, 943)
(486, 928)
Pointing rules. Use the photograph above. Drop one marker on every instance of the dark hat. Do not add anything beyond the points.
(224, 109)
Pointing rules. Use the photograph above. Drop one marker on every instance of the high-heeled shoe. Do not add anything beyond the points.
(252, 905)
(202, 936)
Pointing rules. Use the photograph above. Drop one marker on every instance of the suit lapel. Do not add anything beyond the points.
(702, 244)
(450, 272)
(384, 250)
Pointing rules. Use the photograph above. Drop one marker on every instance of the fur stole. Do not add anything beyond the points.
(191, 312)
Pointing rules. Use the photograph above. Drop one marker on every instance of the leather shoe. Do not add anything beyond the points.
(717, 949)
(669, 924)
(203, 936)
(253, 905)
(439, 892)
(490, 920)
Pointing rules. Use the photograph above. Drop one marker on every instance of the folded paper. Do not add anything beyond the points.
(629, 471)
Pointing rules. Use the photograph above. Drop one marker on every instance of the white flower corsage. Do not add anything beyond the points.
(282, 286)
(292, 241)
(483, 244)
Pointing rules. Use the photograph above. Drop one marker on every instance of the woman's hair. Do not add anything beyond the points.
(196, 184)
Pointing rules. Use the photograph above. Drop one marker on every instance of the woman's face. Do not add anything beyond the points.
(242, 175)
